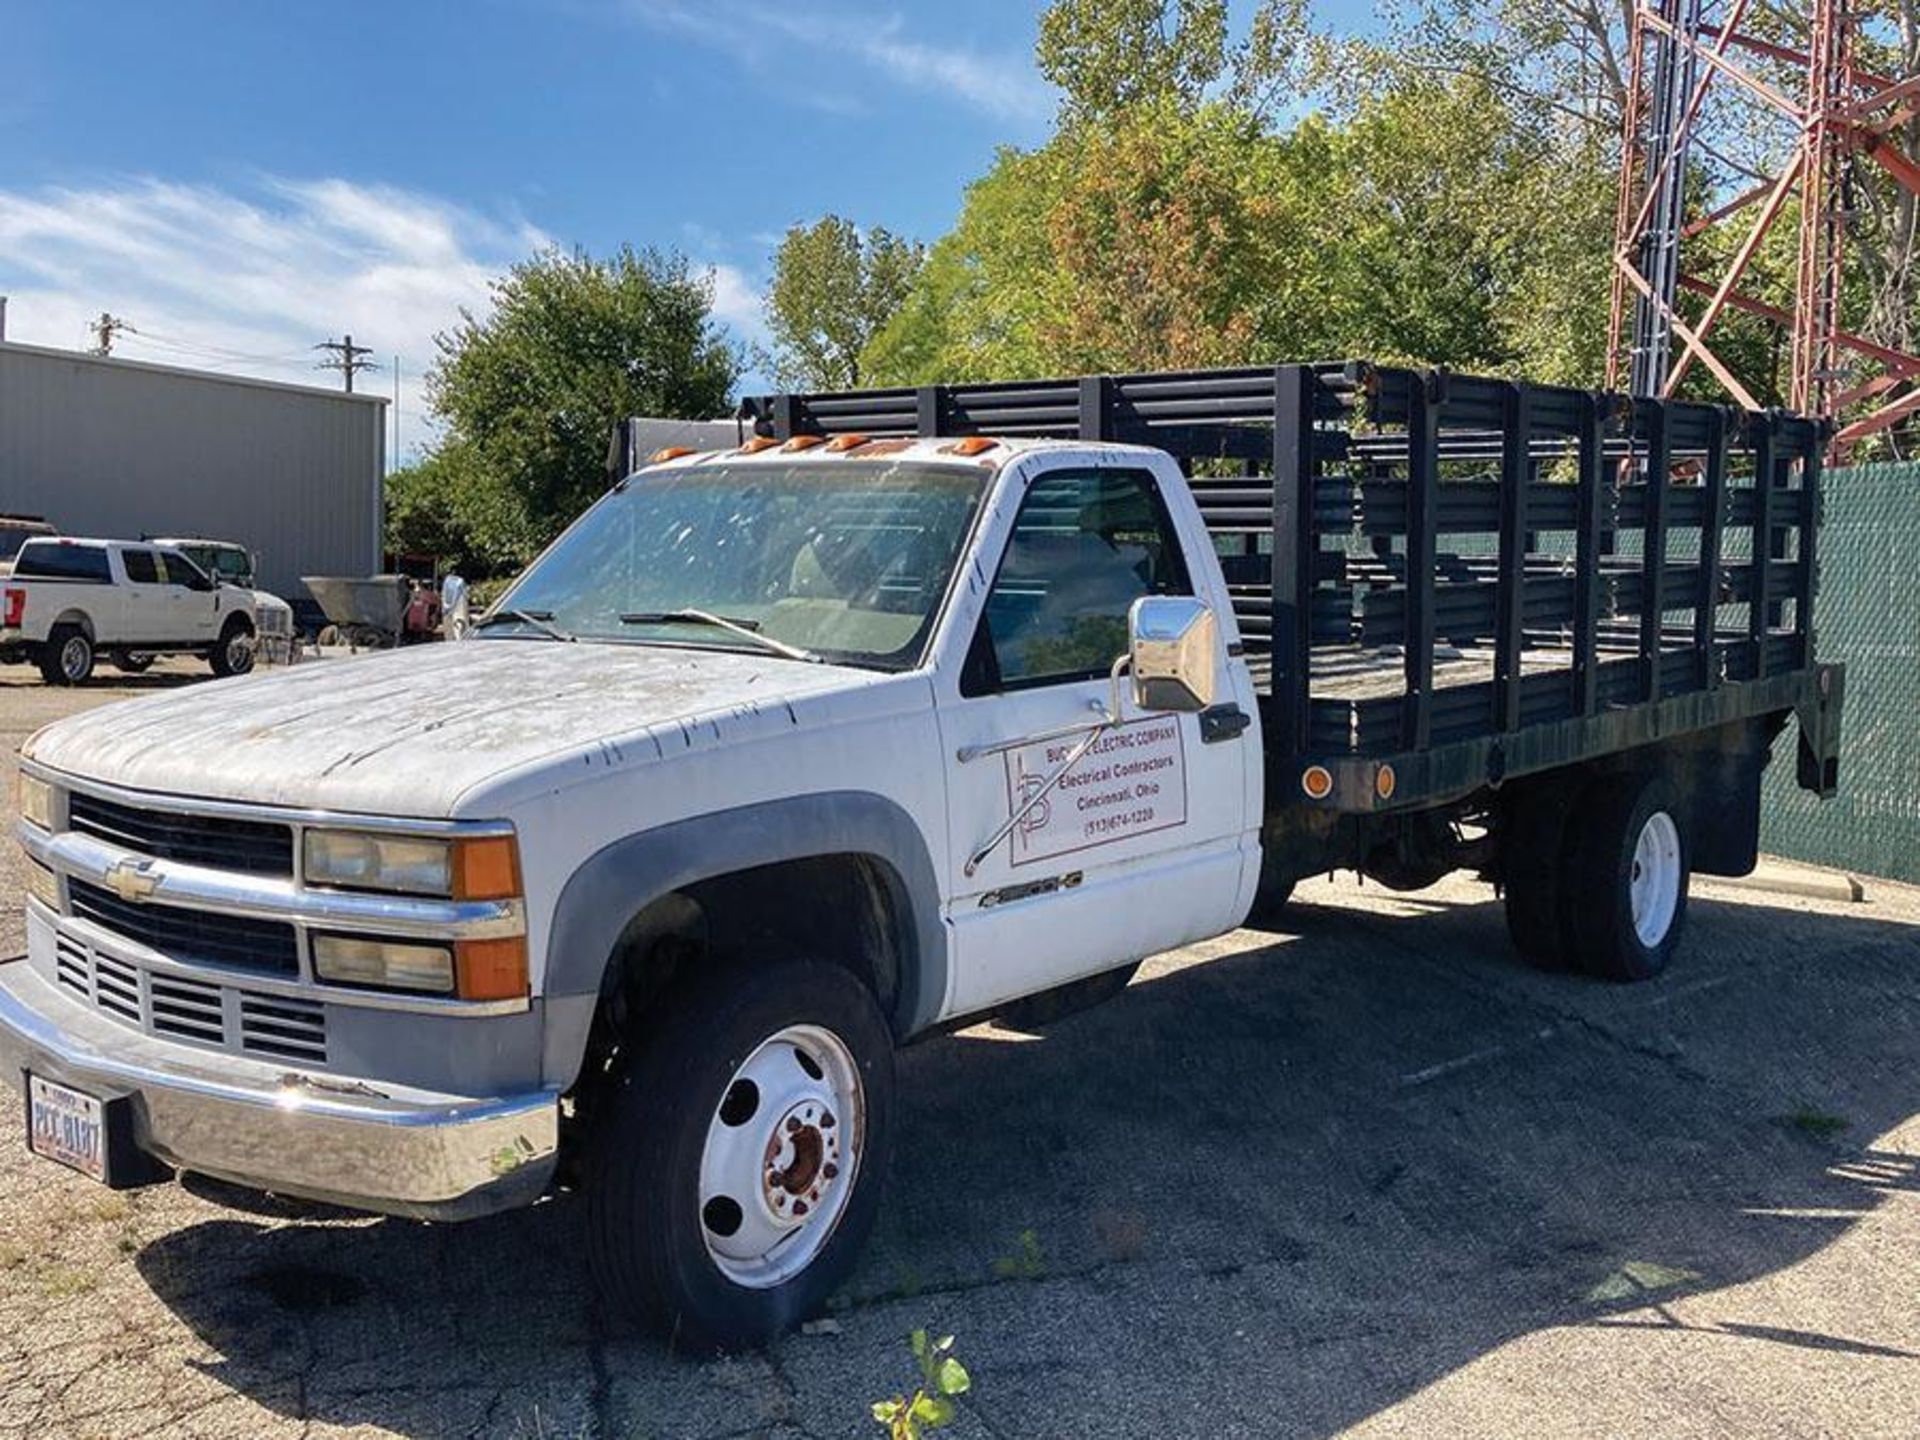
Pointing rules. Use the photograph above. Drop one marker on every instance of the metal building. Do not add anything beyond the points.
(122, 448)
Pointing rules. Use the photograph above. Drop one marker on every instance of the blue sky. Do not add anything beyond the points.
(239, 180)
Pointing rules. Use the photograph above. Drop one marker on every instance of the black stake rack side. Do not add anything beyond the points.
(1459, 577)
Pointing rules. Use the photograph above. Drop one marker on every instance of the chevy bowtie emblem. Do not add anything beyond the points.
(132, 879)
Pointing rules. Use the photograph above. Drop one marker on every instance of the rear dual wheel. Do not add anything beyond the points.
(1597, 876)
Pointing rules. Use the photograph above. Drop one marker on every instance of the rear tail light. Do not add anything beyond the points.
(16, 609)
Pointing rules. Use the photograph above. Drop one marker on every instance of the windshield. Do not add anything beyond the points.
(234, 566)
(841, 561)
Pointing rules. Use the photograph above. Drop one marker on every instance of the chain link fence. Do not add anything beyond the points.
(1867, 614)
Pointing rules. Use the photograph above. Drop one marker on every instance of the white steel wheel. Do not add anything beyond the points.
(722, 1207)
(782, 1155)
(1654, 890)
(1623, 891)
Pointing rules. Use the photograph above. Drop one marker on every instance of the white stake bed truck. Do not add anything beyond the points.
(919, 705)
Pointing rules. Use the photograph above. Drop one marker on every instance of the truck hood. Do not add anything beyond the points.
(410, 731)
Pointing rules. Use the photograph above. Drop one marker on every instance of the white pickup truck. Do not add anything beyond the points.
(69, 601)
(898, 713)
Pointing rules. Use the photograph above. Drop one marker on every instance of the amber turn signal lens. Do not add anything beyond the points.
(491, 969)
(1317, 781)
(486, 868)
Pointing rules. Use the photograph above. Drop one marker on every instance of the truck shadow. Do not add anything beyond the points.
(1353, 1158)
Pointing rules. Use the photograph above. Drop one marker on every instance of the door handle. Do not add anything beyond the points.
(1223, 722)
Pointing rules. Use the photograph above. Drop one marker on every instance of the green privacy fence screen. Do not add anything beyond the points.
(1867, 614)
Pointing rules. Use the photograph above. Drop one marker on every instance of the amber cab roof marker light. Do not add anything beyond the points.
(757, 444)
(804, 442)
(669, 452)
(841, 443)
(971, 445)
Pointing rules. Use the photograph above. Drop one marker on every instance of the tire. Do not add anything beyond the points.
(1627, 878)
(680, 1154)
(1034, 1012)
(1534, 850)
(130, 662)
(329, 635)
(67, 657)
(1269, 907)
(233, 653)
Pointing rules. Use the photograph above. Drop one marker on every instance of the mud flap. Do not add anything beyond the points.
(1819, 715)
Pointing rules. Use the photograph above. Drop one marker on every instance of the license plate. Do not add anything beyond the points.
(67, 1127)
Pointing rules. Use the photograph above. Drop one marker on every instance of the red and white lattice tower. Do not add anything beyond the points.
(1833, 116)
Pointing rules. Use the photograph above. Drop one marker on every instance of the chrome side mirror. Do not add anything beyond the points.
(1173, 643)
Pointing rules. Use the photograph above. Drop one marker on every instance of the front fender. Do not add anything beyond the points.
(623, 878)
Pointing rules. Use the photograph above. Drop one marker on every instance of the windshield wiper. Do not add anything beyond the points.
(541, 620)
(744, 628)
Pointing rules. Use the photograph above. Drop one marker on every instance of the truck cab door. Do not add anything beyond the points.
(1148, 840)
(193, 597)
(145, 602)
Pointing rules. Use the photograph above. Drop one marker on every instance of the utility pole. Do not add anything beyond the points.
(345, 357)
(104, 329)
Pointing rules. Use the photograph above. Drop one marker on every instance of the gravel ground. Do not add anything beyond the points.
(1370, 1175)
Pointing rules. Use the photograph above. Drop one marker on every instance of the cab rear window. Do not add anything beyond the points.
(51, 560)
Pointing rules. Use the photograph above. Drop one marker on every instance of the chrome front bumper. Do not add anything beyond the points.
(318, 1136)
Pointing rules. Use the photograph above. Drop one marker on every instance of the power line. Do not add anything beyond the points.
(222, 352)
(345, 357)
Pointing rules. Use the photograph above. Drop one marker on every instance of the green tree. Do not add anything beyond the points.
(833, 290)
(1156, 237)
(1436, 219)
(449, 506)
(1110, 55)
(1475, 231)
(530, 392)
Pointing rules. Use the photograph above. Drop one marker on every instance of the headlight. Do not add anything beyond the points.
(36, 801)
(385, 964)
(483, 867)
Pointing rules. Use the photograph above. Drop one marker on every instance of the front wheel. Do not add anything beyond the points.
(1627, 879)
(738, 1169)
(233, 654)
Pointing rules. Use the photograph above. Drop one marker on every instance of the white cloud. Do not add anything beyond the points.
(247, 282)
(764, 38)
